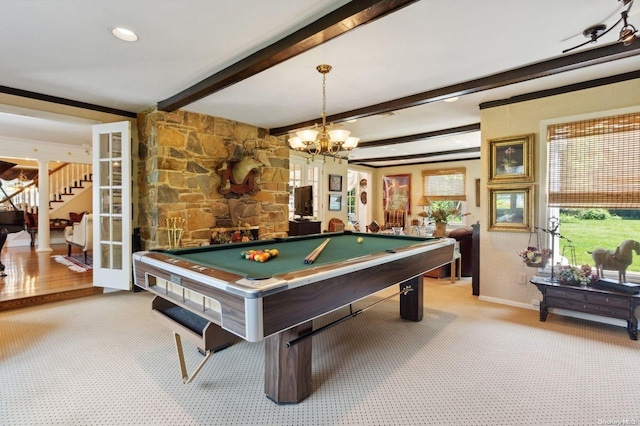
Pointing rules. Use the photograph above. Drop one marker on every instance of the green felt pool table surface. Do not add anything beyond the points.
(292, 252)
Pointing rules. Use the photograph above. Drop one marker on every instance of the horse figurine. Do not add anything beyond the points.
(617, 260)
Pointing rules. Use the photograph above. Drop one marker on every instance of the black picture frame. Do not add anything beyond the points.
(335, 183)
(335, 202)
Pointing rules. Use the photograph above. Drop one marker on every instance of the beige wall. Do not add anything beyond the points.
(333, 168)
(473, 168)
(327, 168)
(500, 268)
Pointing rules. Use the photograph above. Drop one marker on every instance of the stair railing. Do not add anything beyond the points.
(62, 180)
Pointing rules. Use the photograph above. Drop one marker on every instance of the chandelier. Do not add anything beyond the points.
(21, 181)
(324, 141)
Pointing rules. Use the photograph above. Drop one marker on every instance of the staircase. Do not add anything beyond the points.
(65, 183)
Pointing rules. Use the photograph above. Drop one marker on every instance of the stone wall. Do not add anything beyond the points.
(179, 152)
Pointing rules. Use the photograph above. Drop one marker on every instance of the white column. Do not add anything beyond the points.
(44, 234)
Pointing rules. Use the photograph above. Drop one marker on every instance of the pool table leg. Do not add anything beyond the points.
(411, 302)
(287, 370)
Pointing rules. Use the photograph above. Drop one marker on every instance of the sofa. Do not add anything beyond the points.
(464, 237)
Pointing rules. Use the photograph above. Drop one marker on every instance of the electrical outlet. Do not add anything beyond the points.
(522, 279)
(535, 302)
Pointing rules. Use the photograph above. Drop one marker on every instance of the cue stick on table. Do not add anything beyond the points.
(314, 254)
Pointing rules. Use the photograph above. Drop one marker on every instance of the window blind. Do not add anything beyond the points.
(445, 184)
(595, 163)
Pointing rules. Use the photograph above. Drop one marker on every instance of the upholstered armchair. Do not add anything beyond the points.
(335, 225)
(395, 219)
(80, 234)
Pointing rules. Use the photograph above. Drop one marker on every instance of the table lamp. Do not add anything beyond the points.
(424, 202)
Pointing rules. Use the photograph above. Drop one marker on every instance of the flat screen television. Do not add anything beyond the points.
(303, 201)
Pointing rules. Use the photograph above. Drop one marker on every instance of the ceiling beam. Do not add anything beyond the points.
(64, 101)
(415, 156)
(422, 136)
(564, 89)
(557, 65)
(338, 22)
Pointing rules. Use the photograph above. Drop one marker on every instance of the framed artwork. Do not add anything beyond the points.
(335, 183)
(335, 202)
(396, 192)
(511, 159)
(477, 192)
(511, 208)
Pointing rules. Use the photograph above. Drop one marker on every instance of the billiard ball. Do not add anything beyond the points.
(360, 240)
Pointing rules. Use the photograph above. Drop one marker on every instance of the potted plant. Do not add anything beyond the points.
(534, 257)
(440, 214)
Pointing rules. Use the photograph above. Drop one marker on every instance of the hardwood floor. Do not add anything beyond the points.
(34, 278)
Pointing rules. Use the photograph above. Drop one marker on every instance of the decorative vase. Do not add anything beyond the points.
(441, 229)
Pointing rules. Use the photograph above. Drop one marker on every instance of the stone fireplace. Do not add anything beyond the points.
(179, 153)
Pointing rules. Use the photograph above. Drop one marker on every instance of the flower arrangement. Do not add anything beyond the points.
(574, 275)
(509, 162)
(533, 256)
(443, 213)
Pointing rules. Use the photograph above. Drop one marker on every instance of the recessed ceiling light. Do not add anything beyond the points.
(455, 98)
(124, 34)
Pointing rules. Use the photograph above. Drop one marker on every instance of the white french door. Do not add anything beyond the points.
(112, 205)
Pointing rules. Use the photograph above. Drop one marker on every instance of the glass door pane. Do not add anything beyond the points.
(112, 242)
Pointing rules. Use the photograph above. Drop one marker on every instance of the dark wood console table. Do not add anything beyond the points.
(303, 227)
(590, 300)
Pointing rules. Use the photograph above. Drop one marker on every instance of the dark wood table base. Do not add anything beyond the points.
(590, 300)
(287, 371)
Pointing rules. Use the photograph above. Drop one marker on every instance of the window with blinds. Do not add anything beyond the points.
(595, 163)
(445, 184)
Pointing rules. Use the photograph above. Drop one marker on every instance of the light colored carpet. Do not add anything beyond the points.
(103, 360)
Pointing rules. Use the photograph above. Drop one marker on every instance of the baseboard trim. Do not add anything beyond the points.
(559, 311)
(48, 298)
(507, 302)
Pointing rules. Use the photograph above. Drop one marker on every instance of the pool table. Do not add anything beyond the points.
(277, 300)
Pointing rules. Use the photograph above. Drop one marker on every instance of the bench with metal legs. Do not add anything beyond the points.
(207, 336)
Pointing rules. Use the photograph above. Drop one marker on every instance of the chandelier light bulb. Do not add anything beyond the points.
(295, 142)
(339, 135)
(351, 142)
(308, 135)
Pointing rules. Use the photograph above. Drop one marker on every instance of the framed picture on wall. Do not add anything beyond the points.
(511, 208)
(511, 159)
(396, 192)
(335, 202)
(335, 183)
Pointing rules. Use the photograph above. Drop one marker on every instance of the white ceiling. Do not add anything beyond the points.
(65, 49)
